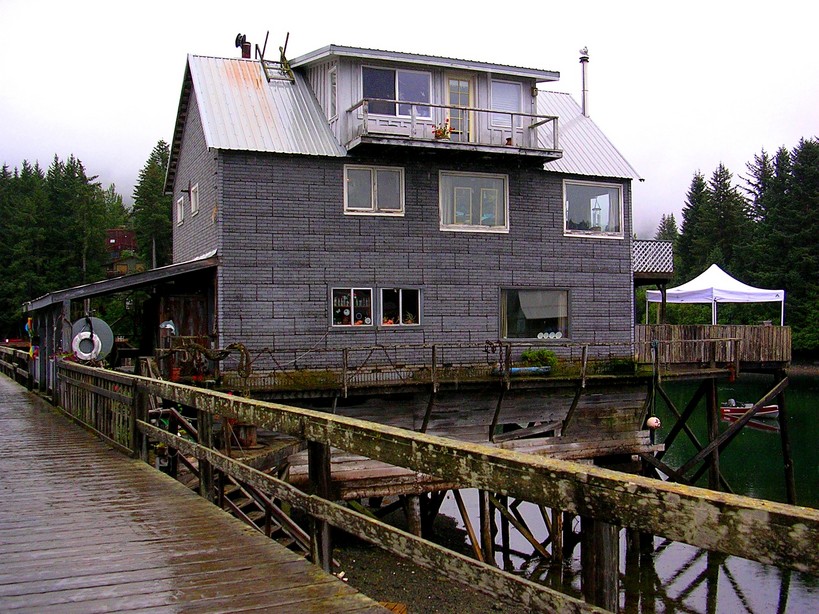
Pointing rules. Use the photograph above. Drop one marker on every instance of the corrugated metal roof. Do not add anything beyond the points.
(429, 60)
(586, 150)
(240, 110)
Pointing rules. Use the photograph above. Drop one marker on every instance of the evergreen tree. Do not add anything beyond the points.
(667, 230)
(152, 209)
(693, 243)
(728, 226)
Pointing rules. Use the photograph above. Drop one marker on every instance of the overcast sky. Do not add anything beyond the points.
(677, 87)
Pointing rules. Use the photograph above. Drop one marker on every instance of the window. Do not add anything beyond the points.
(471, 201)
(180, 210)
(352, 307)
(374, 190)
(333, 90)
(505, 97)
(534, 314)
(593, 208)
(400, 307)
(195, 199)
(401, 85)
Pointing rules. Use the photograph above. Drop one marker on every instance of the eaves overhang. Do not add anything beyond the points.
(329, 51)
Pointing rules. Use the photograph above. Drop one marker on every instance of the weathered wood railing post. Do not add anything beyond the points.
(318, 459)
(205, 431)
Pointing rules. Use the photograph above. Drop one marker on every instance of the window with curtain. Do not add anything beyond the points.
(505, 97)
(593, 208)
(405, 86)
(534, 314)
(473, 201)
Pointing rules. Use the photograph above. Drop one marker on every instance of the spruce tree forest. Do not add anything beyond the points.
(761, 227)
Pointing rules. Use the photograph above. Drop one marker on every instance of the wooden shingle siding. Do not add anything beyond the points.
(285, 242)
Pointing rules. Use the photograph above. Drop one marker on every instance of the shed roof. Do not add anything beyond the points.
(586, 150)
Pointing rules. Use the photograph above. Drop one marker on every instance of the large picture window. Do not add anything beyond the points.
(352, 307)
(405, 86)
(400, 307)
(534, 314)
(593, 208)
(373, 189)
(472, 201)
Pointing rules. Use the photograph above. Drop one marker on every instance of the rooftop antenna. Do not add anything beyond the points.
(584, 64)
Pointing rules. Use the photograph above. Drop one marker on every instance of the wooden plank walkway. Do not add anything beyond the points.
(85, 529)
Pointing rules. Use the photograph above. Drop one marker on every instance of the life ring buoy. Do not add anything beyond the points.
(79, 338)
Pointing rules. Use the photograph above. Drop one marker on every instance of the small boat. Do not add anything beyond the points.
(733, 409)
(756, 425)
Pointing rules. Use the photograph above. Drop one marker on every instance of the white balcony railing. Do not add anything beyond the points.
(468, 125)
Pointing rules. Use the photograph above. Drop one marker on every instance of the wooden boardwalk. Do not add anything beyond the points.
(85, 529)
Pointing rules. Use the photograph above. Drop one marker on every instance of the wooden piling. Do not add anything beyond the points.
(321, 548)
(599, 559)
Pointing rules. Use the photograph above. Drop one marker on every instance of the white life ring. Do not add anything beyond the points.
(79, 338)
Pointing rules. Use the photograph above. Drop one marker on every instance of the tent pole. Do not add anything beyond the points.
(782, 313)
(714, 313)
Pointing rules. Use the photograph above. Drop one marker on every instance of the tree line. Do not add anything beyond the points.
(53, 224)
(763, 231)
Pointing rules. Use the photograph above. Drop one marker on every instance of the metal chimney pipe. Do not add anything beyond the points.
(246, 50)
(584, 65)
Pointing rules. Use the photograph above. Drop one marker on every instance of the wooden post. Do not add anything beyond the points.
(557, 536)
(599, 559)
(205, 428)
(506, 544)
(487, 537)
(412, 508)
(712, 413)
(318, 459)
(787, 458)
(139, 411)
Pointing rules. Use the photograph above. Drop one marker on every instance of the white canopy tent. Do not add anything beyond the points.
(716, 286)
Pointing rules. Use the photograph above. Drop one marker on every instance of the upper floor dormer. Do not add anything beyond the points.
(373, 97)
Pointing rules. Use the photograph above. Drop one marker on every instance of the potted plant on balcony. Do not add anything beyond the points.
(442, 130)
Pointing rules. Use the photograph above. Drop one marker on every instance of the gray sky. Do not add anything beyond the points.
(677, 87)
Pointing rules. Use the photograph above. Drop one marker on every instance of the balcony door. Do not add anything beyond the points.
(460, 94)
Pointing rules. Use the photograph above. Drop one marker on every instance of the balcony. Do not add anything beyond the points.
(394, 122)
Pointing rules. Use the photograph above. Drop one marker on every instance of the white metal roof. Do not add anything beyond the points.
(427, 60)
(586, 150)
(240, 110)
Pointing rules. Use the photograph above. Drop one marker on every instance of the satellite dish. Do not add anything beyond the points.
(91, 339)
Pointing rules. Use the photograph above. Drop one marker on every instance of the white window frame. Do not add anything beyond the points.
(194, 199)
(423, 112)
(562, 304)
(472, 227)
(374, 209)
(180, 210)
(351, 308)
(401, 310)
(591, 232)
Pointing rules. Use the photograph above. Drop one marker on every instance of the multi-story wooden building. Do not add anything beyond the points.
(357, 197)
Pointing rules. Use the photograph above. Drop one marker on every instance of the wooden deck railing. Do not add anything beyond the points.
(14, 363)
(721, 344)
(764, 531)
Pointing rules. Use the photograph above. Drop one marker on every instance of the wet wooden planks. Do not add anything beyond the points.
(86, 529)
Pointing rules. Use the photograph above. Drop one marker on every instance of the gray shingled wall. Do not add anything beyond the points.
(198, 233)
(285, 242)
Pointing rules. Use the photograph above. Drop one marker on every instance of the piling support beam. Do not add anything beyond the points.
(599, 559)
